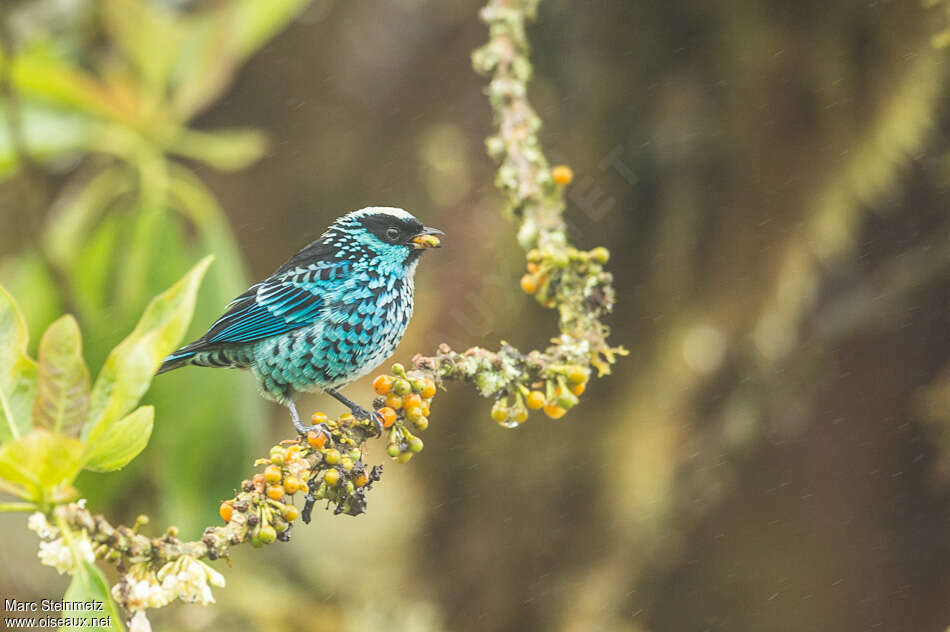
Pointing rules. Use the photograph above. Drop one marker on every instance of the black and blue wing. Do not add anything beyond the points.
(278, 305)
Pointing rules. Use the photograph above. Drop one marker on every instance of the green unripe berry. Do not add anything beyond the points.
(267, 534)
(421, 423)
(393, 450)
(576, 374)
(399, 369)
(332, 456)
(414, 413)
(567, 400)
(600, 254)
(277, 455)
(402, 388)
(415, 444)
(346, 463)
(355, 454)
(418, 384)
(404, 457)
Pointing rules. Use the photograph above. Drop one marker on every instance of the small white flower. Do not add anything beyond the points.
(56, 553)
(139, 623)
(140, 589)
(37, 522)
(188, 579)
(81, 503)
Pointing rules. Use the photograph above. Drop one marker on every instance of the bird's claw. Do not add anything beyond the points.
(371, 416)
(304, 429)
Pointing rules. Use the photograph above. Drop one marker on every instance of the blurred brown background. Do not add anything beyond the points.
(772, 181)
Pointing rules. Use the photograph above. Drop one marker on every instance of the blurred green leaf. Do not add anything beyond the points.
(148, 36)
(128, 370)
(111, 445)
(17, 371)
(218, 41)
(39, 296)
(71, 222)
(227, 150)
(45, 133)
(62, 400)
(40, 75)
(40, 462)
(89, 585)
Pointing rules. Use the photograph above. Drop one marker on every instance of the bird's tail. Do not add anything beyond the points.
(179, 358)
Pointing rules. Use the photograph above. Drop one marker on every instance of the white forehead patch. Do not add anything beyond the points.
(380, 210)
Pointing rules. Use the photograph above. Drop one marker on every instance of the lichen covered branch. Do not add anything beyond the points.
(328, 466)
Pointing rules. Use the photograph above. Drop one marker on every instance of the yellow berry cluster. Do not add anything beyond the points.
(339, 474)
(403, 399)
(266, 506)
(545, 271)
(555, 396)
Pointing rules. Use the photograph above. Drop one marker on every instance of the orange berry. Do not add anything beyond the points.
(428, 391)
(529, 283)
(578, 389)
(318, 418)
(361, 479)
(533, 267)
(383, 384)
(226, 510)
(554, 411)
(562, 174)
(388, 415)
(394, 401)
(316, 439)
(275, 492)
(292, 484)
(258, 480)
(535, 400)
(425, 408)
(412, 400)
(272, 474)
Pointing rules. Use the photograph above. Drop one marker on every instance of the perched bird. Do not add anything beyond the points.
(328, 316)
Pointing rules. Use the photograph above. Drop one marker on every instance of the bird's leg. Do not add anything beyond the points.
(358, 411)
(301, 427)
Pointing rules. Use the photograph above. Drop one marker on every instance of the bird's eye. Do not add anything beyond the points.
(392, 234)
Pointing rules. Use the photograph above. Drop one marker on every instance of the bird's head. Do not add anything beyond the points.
(389, 233)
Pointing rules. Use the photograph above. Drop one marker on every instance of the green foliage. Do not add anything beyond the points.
(17, 371)
(89, 585)
(129, 369)
(62, 401)
(41, 457)
(131, 219)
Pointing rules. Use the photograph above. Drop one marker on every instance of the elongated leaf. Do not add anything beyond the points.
(147, 34)
(112, 445)
(129, 368)
(17, 371)
(46, 133)
(40, 75)
(69, 226)
(39, 463)
(89, 585)
(62, 399)
(216, 42)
